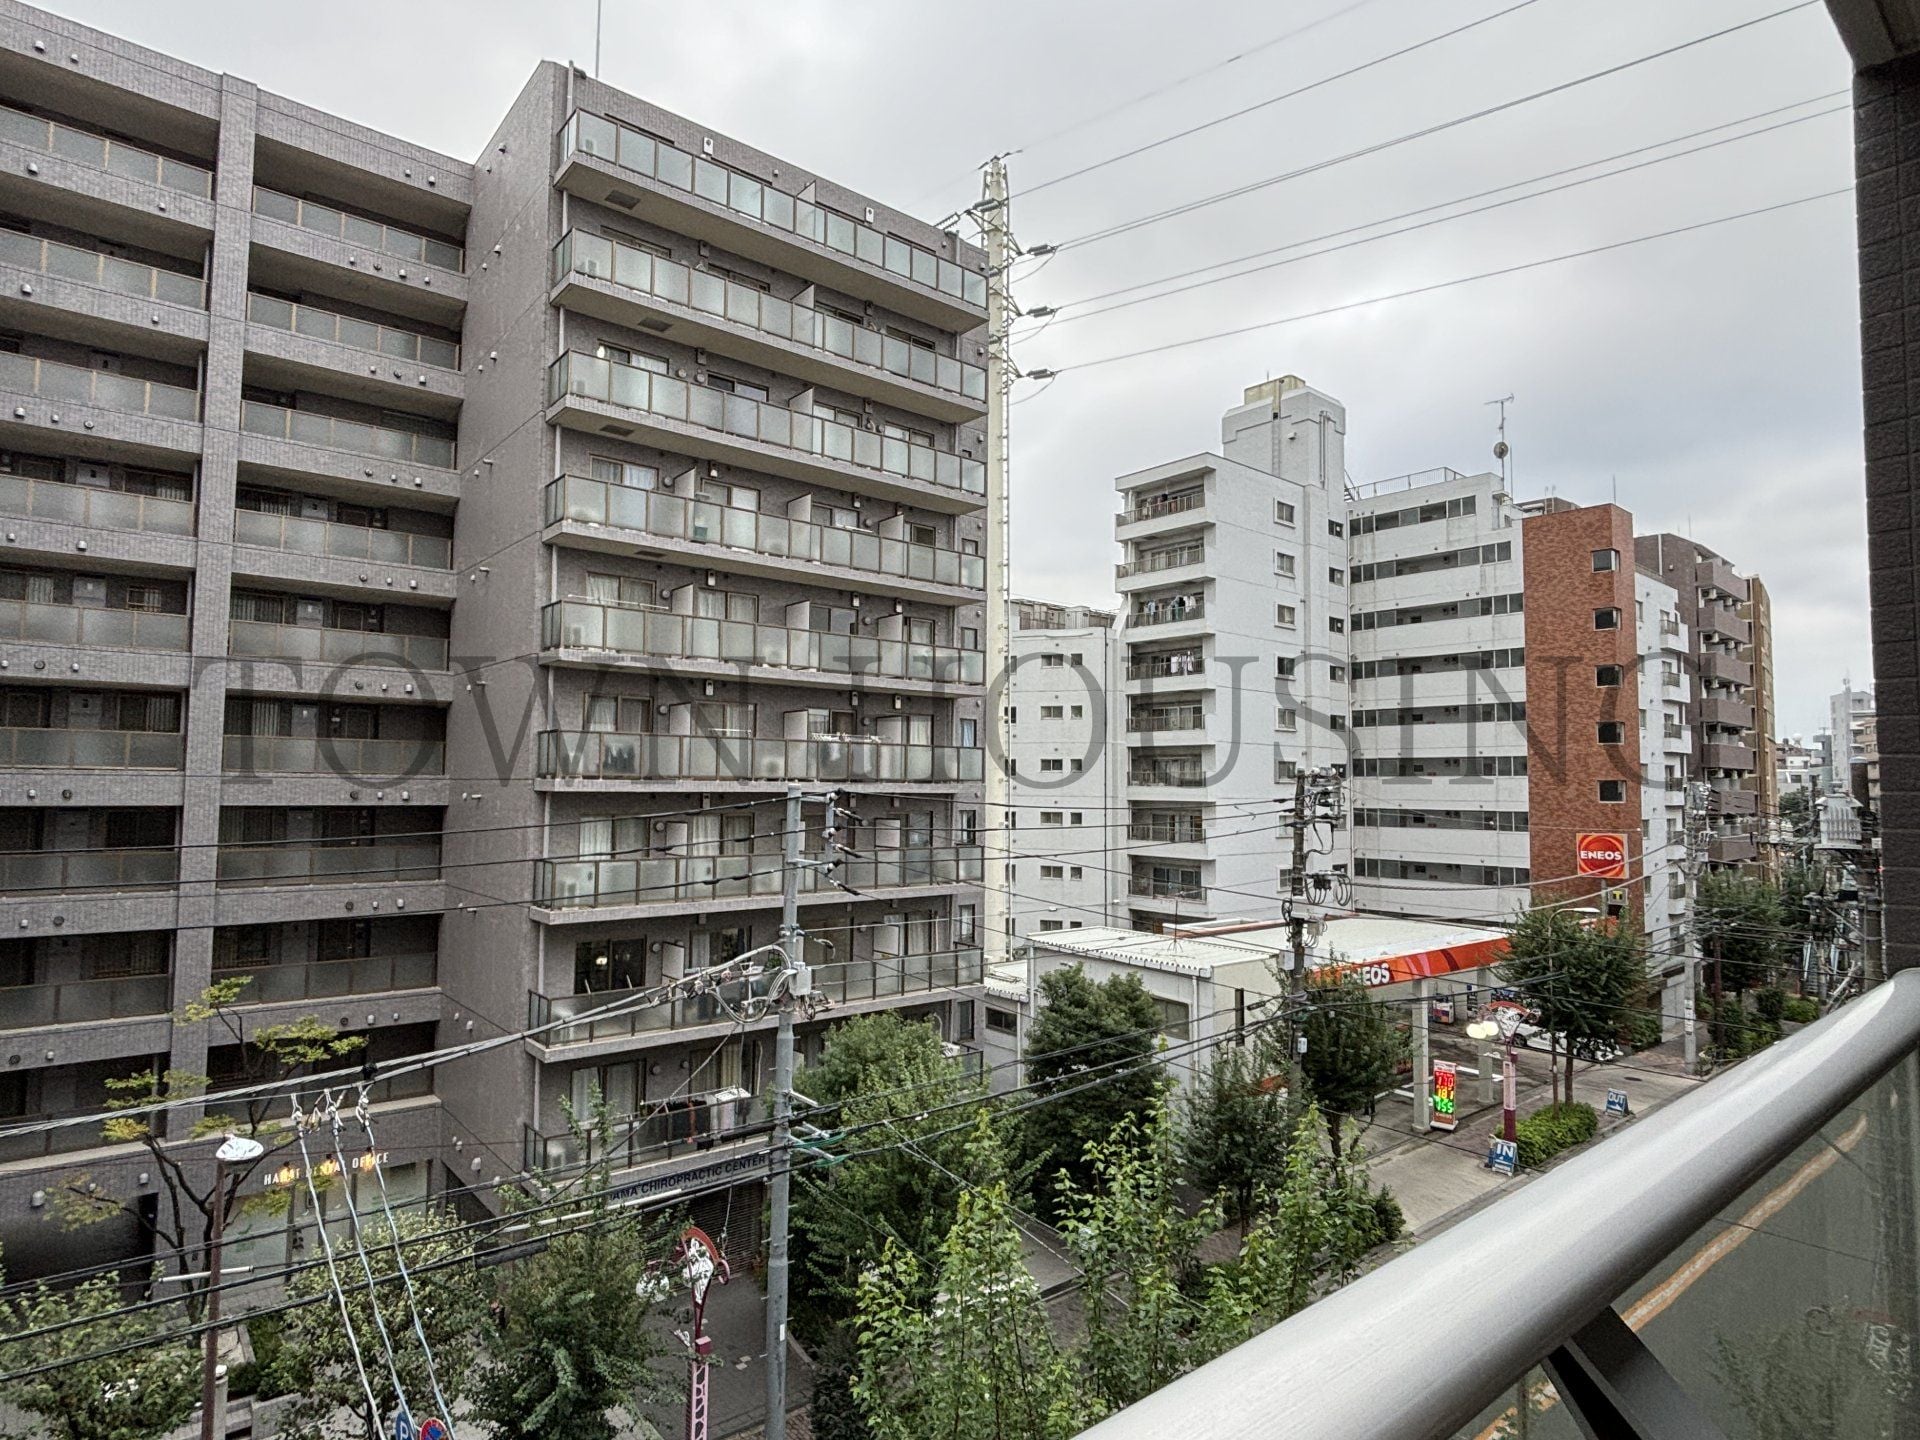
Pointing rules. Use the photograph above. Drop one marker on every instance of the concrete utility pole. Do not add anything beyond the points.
(1297, 885)
(1695, 826)
(992, 215)
(788, 989)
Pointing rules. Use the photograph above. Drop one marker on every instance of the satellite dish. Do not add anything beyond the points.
(1500, 451)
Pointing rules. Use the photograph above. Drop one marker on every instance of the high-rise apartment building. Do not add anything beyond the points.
(424, 581)
(1720, 618)
(1764, 782)
(1065, 739)
(1234, 666)
(1848, 710)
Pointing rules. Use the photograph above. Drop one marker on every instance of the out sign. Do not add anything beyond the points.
(1602, 856)
(1445, 1080)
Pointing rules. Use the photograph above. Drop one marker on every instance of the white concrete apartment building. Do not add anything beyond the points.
(1849, 711)
(1666, 752)
(1439, 772)
(1064, 734)
(1234, 665)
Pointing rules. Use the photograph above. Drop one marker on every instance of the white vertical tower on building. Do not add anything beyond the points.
(1666, 753)
(1233, 587)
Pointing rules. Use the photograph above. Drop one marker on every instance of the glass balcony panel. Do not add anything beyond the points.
(595, 135)
(777, 209)
(922, 365)
(743, 305)
(952, 278)
(636, 150)
(276, 206)
(65, 382)
(709, 181)
(71, 144)
(20, 129)
(708, 292)
(269, 310)
(670, 397)
(359, 231)
(444, 254)
(741, 416)
(810, 220)
(899, 256)
(839, 231)
(675, 167)
(868, 449)
(743, 194)
(926, 268)
(868, 244)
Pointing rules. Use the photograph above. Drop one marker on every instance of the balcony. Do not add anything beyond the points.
(598, 755)
(1184, 666)
(1187, 831)
(713, 312)
(1718, 710)
(1714, 665)
(358, 230)
(82, 1002)
(1715, 756)
(304, 427)
(1732, 801)
(1731, 849)
(755, 433)
(1153, 561)
(83, 625)
(787, 544)
(93, 508)
(106, 272)
(116, 157)
(698, 196)
(326, 539)
(1183, 717)
(332, 755)
(655, 635)
(325, 979)
(1725, 622)
(258, 639)
(1146, 888)
(1179, 777)
(1162, 506)
(49, 749)
(1748, 1222)
(1716, 576)
(387, 340)
(328, 862)
(1168, 614)
(683, 1125)
(699, 879)
(845, 982)
(102, 389)
(24, 872)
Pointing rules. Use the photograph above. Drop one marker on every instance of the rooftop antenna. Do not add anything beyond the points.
(599, 13)
(1501, 450)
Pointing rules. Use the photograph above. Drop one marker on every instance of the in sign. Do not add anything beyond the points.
(1503, 1156)
(1602, 856)
(1444, 1084)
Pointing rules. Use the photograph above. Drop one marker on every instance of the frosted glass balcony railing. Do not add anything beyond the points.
(341, 542)
(109, 272)
(386, 340)
(590, 625)
(1183, 717)
(1154, 560)
(628, 149)
(84, 1001)
(599, 755)
(1149, 888)
(575, 884)
(353, 759)
(662, 1130)
(596, 502)
(116, 157)
(1168, 614)
(47, 749)
(304, 426)
(263, 640)
(94, 508)
(632, 388)
(328, 863)
(25, 872)
(1181, 776)
(632, 268)
(51, 380)
(81, 625)
(1167, 832)
(321, 979)
(358, 230)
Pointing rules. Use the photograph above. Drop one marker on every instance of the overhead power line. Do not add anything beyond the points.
(1449, 284)
(1140, 222)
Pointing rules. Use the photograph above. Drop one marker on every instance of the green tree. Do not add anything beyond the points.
(1808, 911)
(1092, 1047)
(581, 1341)
(141, 1395)
(1236, 1125)
(1742, 925)
(979, 1361)
(1584, 980)
(1353, 1047)
(1139, 1253)
(315, 1362)
(184, 1220)
(1797, 810)
(888, 1076)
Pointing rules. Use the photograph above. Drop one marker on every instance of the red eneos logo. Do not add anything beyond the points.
(1601, 856)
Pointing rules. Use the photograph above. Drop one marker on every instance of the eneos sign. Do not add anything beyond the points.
(1603, 857)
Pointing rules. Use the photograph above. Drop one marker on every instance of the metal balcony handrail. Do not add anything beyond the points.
(359, 230)
(318, 324)
(1164, 505)
(97, 268)
(130, 162)
(1558, 1252)
(613, 755)
(1154, 561)
(308, 427)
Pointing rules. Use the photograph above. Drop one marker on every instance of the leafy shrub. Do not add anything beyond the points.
(1750, 1034)
(1801, 1010)
(1771, 1002)
(1553, 1128)
(1641, 1030)
(1390, 1222)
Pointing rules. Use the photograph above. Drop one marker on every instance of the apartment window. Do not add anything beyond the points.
(968, 737)
(1288, 718)
(146, 597)
(1048, 926)
(1076, 765)
(1053, 712)
(1285, 616)
(1078, 659)
(1076, 818)
(727, 385)
(1336, 626)
(1003, 1022)
(1605, 560)
(1283, 667)
(1336, 723)
(1074, 872)
(1607, 677)
(968, 827)
(1336, 673)
(1052, 661)
(1612, 732)
(1053, 872)
(1613, 792)
(1606, 618)
(1051, 765)
(621, 472)
(1336, 575)
(1283, 769)
(966, 919)
(1282, 563)
(1051, 817)
(969, 637)
(1336, 529)
(1076, 712)
(1282, 513)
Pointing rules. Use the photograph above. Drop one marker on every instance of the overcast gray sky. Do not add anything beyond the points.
(1709, 382)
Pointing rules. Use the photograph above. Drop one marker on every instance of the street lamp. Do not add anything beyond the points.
(234, 1150)
(1489, 1030)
